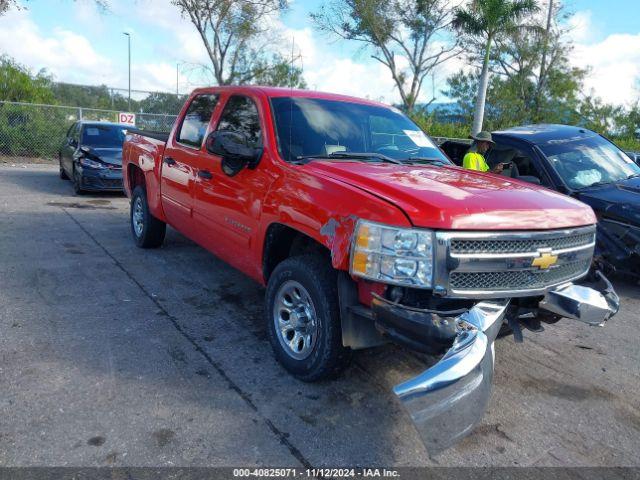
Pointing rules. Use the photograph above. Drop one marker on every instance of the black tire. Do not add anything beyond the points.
(63, 174)
(153, 230)
(77, 188)
(328, 357)
(505, 331)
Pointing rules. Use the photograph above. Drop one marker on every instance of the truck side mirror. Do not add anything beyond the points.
(234, 150)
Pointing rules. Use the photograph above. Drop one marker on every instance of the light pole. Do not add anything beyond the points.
(129, 43)
(178, 65)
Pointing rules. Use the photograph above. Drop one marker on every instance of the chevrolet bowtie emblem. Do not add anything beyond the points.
(544, 261)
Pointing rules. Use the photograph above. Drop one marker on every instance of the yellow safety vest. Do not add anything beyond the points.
(475, 161)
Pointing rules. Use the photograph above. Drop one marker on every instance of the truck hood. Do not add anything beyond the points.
(618, 201)
(453, 198)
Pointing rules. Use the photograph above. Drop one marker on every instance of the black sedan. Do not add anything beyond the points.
(92, 156)
(585, 165)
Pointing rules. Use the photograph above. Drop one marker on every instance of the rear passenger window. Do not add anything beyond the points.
(197, 119)
(240, 115)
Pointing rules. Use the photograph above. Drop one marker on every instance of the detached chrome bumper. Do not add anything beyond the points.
(593, 306)
(447, 401)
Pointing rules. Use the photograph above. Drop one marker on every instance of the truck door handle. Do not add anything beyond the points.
(169, 161)
(205, 174)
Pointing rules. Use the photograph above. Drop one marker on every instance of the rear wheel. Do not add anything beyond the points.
(147, 230)
(303, 318)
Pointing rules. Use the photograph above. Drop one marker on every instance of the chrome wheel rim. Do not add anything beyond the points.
(295, 320)
(137, 217)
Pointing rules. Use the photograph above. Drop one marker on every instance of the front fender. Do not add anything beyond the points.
(324, 209)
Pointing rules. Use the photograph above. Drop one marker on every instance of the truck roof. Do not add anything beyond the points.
(274, 92)
(542, 133)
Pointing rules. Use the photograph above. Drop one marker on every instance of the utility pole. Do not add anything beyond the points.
(177, 64)
(129, 42)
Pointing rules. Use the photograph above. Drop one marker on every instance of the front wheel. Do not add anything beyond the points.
(147, 230)
(77, 183)
(63, 174)
(303, 318)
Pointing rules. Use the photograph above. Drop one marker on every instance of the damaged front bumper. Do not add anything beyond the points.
(446, 401)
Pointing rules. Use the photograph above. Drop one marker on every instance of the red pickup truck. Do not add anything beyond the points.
(363, 231)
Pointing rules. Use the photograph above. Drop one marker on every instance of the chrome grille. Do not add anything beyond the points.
(514, 264)
(517, 279)
(473, 246)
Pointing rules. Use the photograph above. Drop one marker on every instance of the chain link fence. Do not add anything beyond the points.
(38, 131)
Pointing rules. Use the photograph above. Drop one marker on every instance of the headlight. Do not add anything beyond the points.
(87, 162)
(400, 256)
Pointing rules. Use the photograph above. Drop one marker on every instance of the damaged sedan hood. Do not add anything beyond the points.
(111, 156)
(453, 198)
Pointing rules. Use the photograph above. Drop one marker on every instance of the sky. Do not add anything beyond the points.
(77, 43)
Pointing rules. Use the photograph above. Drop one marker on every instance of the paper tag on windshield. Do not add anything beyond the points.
(419, 138)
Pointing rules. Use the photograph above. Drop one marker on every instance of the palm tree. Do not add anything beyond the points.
(486, 19)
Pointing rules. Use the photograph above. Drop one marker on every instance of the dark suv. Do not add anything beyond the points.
(580, 163)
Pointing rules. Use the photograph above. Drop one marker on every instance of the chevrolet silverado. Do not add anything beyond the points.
(363, 231)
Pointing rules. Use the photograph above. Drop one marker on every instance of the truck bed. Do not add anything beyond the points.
(162, 136)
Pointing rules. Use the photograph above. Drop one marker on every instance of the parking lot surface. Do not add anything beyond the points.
(113, 355)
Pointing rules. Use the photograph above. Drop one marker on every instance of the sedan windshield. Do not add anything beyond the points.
(103, 136)
(310, 127)
(586, 162)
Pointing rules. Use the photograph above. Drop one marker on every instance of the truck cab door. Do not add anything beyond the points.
(179, 162)
(227, 208)
(524, 159)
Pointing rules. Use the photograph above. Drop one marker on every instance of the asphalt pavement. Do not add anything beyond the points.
(113, 355)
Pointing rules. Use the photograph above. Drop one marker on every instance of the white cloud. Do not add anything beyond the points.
(614, 61)
(63, 52)
(71, 57)
(330, 66)
(580, 26)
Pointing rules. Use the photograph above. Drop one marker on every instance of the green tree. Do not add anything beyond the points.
(159, 102)
(90, 96)
(484, 20)
(397, 32)
(18, 84)
(278, 72)
(534, 63)
(520, 90)
(236, 35)
(6, 5)
(600, 116)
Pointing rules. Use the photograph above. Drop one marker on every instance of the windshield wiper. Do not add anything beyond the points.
(596, 184)
(633, 175)
(430, 160)
(353, 155)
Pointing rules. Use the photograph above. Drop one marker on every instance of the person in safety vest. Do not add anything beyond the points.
(474, 159)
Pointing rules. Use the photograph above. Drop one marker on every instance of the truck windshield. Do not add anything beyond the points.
(308, 127)
(103, 136)
(587, 162)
